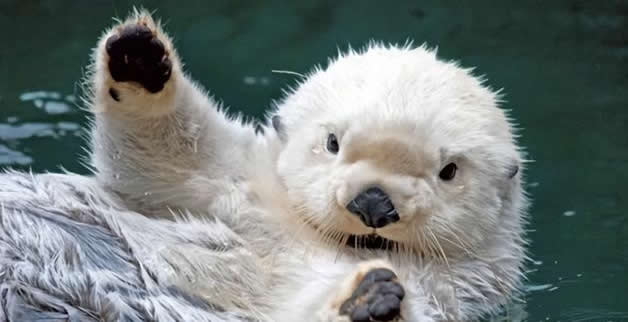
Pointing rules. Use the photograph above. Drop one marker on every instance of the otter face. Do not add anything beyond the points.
(395, 143)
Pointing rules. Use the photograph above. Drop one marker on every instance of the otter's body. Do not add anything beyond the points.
(385, 187)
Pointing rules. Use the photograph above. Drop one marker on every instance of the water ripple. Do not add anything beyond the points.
(14, 133)
(49, 101)
(8, 156)
(595, 315)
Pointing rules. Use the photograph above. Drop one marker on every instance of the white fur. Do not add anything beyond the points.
(400, 115)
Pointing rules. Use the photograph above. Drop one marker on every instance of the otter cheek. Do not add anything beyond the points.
(414, 198)
(407, 209)
(418, 207)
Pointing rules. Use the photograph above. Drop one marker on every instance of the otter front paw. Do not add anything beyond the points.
(377, 297)
(137, 55)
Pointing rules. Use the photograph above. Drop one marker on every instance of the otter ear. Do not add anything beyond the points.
(512, 169)
(278, 126)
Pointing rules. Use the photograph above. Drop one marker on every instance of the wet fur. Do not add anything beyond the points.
(279, 194)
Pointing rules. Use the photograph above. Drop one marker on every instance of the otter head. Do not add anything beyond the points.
(392, 142)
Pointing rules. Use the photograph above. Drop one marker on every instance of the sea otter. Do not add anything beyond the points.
(386, 186)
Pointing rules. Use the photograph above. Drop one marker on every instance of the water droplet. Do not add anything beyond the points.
(68, 126)
(249, 80)
(148, 193)
(542, 287)
(555, 262)
(569, 213)
(8, 156)
(52, 107)
(533, 184)
(29, 96)
(117, 176)
(578, 275)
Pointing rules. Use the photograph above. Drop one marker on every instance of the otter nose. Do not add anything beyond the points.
(374, 208)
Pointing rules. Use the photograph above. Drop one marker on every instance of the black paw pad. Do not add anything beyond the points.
(136, 55)
(377, 298)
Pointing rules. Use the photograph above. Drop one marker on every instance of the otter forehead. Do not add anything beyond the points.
(397, 85)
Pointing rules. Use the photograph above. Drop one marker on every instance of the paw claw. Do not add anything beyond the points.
(137, 55)
(377, 298)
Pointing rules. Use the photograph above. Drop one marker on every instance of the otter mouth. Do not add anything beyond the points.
(372, 242)
(369, 241)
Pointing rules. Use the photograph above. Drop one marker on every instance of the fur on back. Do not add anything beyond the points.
(70, 251)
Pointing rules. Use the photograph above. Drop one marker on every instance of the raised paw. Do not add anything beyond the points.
(137, 55)
(377, 297)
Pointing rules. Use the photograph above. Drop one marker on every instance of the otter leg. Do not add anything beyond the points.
(158, 139)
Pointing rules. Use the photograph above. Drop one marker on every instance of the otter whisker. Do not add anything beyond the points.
(363, 241)
(306, 222)
(455, 232)
(457, 245)
(439, 249)
(427, 245)
(449, 271)
(343, 241)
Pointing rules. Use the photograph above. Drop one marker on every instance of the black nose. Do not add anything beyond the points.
(374, 208)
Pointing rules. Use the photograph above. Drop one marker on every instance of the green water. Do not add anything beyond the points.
(563, 65)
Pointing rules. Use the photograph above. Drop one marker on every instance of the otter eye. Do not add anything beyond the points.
(448, 172)
(332, 144)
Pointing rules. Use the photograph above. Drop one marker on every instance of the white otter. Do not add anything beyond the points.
(387, 188)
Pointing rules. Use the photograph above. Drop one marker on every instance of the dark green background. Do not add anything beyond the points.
(563, 65)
